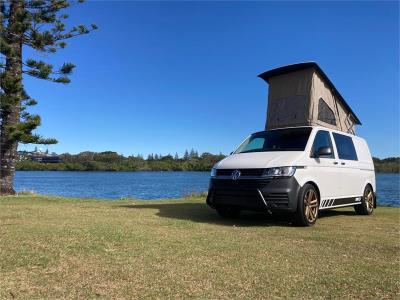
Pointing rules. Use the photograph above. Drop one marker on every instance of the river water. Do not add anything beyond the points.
(149, 185)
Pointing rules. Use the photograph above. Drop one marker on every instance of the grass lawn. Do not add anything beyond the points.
(73, 248)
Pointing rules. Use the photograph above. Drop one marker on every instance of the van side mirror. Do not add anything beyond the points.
(231, 153)
(323, 151)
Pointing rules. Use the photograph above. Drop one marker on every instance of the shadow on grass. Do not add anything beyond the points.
(335, 213)
(200, 212)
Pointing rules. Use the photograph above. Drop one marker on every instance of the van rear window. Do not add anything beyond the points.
(345, 147)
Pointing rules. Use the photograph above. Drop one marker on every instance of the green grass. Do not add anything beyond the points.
(73, 248)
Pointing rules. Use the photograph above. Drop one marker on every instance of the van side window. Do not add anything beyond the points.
(345, 147)
(322, 139)
(325, 113)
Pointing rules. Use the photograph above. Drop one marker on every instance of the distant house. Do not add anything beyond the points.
(39, 156)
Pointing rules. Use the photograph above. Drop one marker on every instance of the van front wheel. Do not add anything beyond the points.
(366, 207)
(307, 208)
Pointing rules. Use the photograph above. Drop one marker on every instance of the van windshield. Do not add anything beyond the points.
(291, 139)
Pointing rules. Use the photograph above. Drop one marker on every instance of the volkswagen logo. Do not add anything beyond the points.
(235, 175)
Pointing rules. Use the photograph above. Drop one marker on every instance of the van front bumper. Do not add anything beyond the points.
(259, 194)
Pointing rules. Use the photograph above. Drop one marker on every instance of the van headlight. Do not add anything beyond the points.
(213, 172)
(280, 172)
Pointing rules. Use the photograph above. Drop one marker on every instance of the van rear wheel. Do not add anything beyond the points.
(307, 207)
(228, 212)
(367, 202)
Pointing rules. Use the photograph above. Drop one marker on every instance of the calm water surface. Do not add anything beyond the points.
(149, 185)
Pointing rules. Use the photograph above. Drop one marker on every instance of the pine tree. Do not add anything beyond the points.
(186, 155)
(193, 154)
(176, 157)
(39, 25)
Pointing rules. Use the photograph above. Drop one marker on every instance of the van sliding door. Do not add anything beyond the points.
(348, 160)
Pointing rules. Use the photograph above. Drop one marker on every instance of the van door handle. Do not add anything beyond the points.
(343, 163)
(335, 162)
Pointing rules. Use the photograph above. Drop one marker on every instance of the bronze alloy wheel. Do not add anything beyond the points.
(307, 206)
(369, 199)
(311, 206)
(367, 204)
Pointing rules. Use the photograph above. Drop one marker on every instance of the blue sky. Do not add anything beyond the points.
(163, 77)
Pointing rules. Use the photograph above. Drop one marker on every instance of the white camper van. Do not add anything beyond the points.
(308, 158)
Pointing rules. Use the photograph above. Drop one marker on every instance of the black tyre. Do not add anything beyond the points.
(228, 212)
(307, 206)
(367, 202)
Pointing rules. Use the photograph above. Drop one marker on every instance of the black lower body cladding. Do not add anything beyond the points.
(255, 194)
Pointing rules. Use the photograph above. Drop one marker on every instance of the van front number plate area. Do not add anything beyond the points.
(239, 184)
(238, 197)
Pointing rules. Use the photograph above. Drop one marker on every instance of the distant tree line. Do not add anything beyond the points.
(190, 161)
(112, 161)
(387, 165)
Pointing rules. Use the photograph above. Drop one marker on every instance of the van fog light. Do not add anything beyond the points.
(280, 172)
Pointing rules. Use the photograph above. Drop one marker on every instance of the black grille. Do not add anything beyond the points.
(277, 197)
(240, 183)
(243, 172)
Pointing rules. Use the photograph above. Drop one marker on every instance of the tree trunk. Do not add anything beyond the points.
(11, 117)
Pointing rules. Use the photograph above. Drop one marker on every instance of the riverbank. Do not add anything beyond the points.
(75, 248)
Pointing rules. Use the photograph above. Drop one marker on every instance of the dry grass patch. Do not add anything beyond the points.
(74, 248)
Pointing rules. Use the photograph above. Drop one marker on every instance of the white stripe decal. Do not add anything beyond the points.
(342, 205)
(329, 203)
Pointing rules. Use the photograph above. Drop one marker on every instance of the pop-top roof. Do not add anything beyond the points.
(306, 65)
